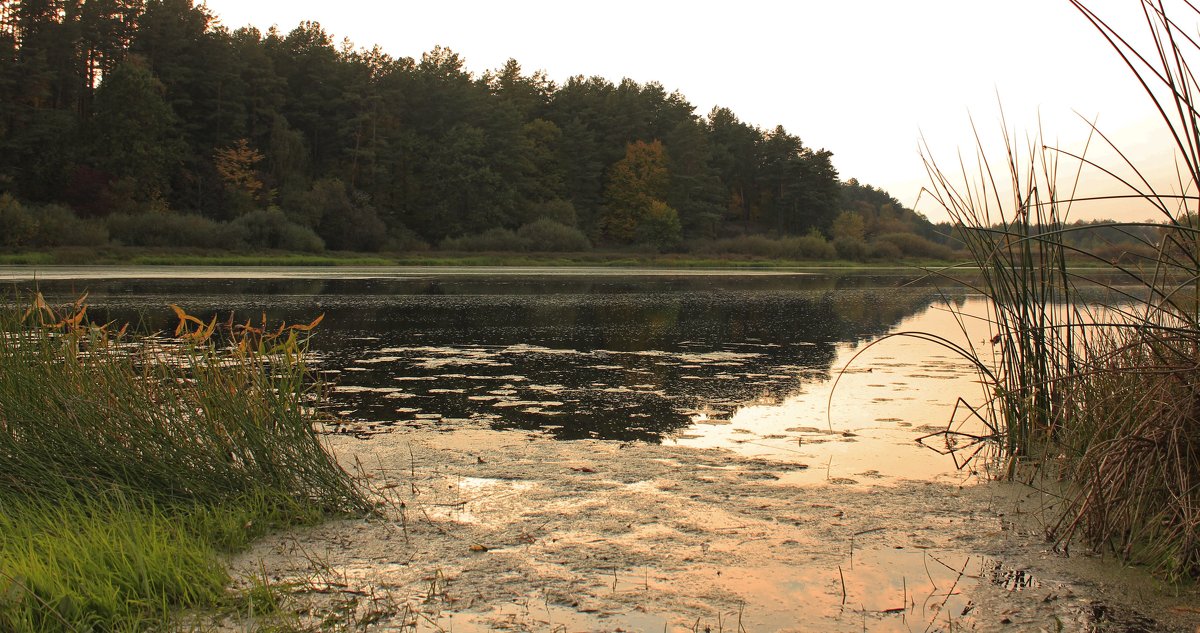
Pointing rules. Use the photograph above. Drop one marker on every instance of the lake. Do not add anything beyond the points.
(828, 504)
(735, 359)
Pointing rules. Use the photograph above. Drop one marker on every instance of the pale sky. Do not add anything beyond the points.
(862, 78)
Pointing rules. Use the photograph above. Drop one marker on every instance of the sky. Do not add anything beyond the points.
(869, 80)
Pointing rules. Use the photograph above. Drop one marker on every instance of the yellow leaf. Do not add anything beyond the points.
(39, 306)
(212, 326)
(74, 322)
(310, 326)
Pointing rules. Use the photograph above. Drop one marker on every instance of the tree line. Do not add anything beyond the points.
(147, 122)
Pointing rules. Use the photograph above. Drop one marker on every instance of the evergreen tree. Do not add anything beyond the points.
(735, 150)
(119, 105)
(135, 137)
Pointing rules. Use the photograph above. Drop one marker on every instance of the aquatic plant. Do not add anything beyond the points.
(127, 463)
(1100, 390)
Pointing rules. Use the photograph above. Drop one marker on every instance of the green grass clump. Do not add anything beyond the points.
(100, 563)
(127, 466)
(27, 259)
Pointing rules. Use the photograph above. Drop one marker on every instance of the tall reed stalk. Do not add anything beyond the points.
(1100, 390)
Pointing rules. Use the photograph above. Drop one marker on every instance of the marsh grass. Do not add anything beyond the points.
(127, 465)
(271, 259)
(100, 562)
(1095, 374)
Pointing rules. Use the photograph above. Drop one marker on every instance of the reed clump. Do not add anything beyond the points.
(1095, 372)
(1136, 447)
(127, 464)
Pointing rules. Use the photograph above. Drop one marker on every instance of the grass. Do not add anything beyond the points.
(289, 259)
(28, 259)
(128, 466)
(101, 562)
(625, 260)
(1098, 392)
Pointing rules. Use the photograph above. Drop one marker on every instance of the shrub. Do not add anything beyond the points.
(561, 211)
(1125, 253)
(17, 227)
(547, 235)
(59, 226)
(50, 225)
(502, 240)
(403, 239)
(741, 245)
(812, 246)
(270, 228)
(175, 230)
(850, 248)
(355, 228)
(342, 217)
(885, 251)
(913, 245)
(660, 226)
(294, 237)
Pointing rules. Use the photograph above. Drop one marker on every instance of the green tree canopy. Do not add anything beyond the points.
(135, 134)
(107, 104)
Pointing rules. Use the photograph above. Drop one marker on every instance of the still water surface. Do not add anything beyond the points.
(744, 361)
(734, 359)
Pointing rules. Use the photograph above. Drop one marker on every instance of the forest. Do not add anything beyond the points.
(147, 123)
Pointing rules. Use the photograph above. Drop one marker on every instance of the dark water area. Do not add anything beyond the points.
(629, 356)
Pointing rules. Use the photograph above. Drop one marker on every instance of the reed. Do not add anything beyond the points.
(127, 465)
(1095, 373)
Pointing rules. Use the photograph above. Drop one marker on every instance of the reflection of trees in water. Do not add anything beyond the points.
(608, 389)
(638, 368)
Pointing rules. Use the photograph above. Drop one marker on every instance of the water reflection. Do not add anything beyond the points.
(635, 357)
(863, 428)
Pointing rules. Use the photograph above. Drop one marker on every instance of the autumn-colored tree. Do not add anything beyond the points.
(634, 184)
(848, 225)
(238, 167)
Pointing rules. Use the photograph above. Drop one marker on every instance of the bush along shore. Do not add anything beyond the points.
(128, 466)
(1096, 396)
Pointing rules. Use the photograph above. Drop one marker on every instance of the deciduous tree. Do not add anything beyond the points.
(636, 193)
(238, 168)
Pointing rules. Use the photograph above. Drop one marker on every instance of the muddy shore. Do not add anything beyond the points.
(485, 530)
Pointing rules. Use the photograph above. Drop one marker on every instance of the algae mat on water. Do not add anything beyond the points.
(490, 530)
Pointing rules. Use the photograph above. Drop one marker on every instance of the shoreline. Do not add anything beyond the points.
(485, 530)
(605, 259)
